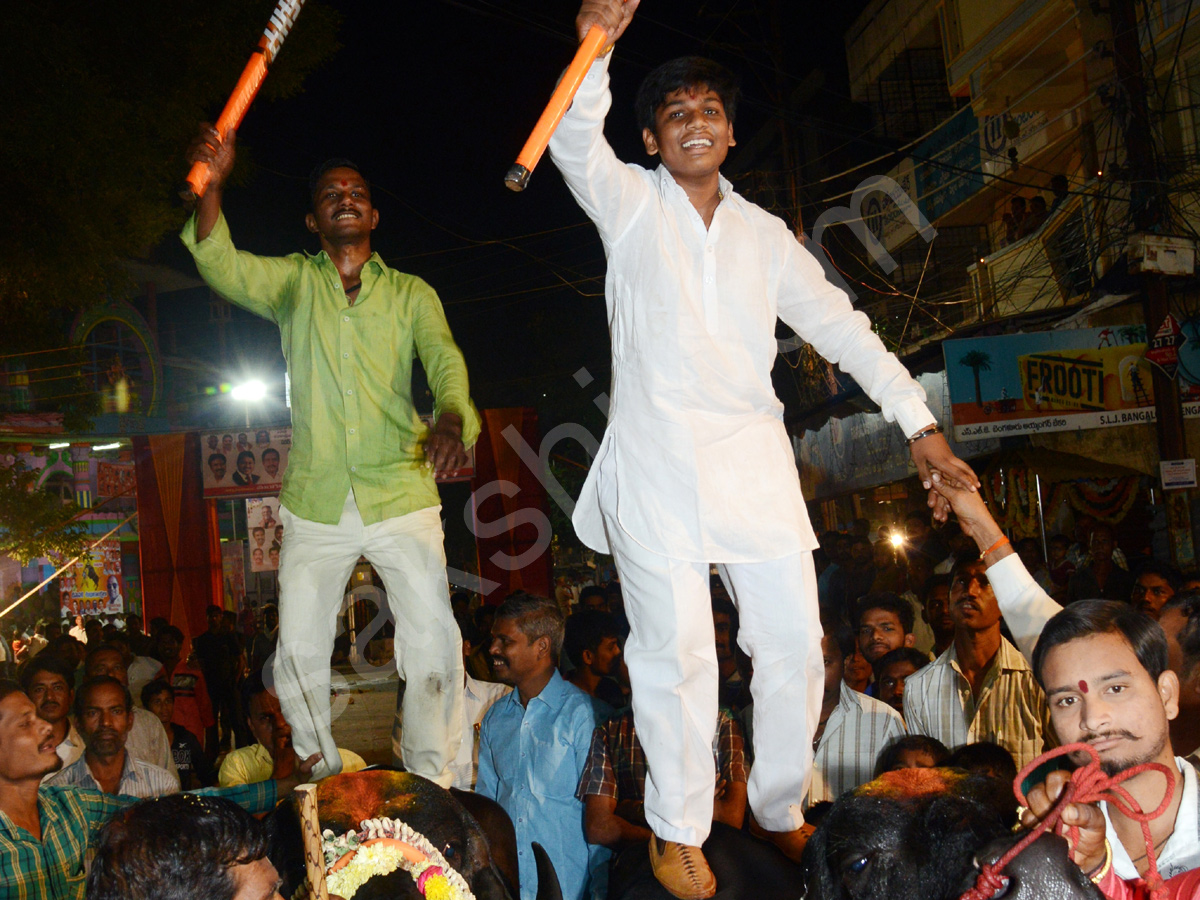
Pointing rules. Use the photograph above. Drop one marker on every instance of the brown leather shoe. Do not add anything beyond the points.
(790, 843)
(682, 869)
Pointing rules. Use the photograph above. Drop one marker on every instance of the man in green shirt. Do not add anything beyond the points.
(45, 831)
(360, 476)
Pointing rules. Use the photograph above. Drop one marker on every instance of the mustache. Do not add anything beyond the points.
(1093, 737)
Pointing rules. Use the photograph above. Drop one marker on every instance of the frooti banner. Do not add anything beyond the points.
(244, 463)
(94, 586)
(1049, 381)
(266, 534)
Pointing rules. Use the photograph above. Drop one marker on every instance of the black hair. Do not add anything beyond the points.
(1085, 618)
(175, 848)
(94, 682)
(170, 631)
(535, 617)
(254, 685)
(220, 456)
(592, 590)
(7, 687)
(968, 560)
(901, 654)
(245, 454)
(986, 758)
(269, 450)
(1165, 571)
(1059, 539)
(915, 743)
(888, 602)
(836, 628)
(154, 688)
(681, 74)
(102, 648)
(45, 662)
(314, 177)
(585, 629)
(931, 582)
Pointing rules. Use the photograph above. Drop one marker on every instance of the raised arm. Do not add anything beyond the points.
(256, 283)
(610, 192)
(1026, 607)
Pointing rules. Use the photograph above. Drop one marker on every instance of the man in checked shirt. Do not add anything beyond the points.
(45, 831)
(613, 791)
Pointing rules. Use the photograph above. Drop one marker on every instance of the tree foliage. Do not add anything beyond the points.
(34, 523)
(100, 100)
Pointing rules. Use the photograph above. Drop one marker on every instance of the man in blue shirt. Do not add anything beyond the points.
(533, 745)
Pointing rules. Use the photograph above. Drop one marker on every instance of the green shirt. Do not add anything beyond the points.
(353, 421)
(71, 817)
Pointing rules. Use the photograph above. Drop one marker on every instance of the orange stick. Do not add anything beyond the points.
(247, 87)
(593, 42)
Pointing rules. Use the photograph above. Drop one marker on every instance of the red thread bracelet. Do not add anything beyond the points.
(996, 546)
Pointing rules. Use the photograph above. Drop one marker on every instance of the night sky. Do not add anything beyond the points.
(434, 101)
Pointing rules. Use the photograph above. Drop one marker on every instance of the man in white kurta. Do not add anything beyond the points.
(695, 466)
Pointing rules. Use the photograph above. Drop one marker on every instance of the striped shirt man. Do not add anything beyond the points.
(138, 779)
(856, 732)
(1010, 709)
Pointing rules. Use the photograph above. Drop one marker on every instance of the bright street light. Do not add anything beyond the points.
(249, 392)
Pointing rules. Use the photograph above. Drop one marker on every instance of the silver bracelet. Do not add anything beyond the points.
(935, 429)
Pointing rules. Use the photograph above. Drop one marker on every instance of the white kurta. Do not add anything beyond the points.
(695, 443)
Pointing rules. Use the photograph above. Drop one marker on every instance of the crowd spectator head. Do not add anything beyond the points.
(270, 617)
(837, 647)
(1084, 655)
(104, 716)
(49, 682)
(918, 569)
(169, 645)
(913, 751)
(917, 527)
(1030, 551)
(159, 697)
(106, 659)
(985, 758)
(592, 640)
(214, 614)
(884, 623)
(973, 605)
(1102, 543)
(1155, 584)
(891, 671)
(859, 553)
(26, 741)
(68, 648)
(935, 603)
(593, 597)
(725, 627)
(264, 714)
(94, 629)
(183, 846)
(527, 638)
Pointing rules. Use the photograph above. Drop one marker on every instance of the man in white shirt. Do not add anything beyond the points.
(854, 728)
(1104, 667)
(695, 466)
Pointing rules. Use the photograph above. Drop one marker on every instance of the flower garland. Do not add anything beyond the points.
(382, 846)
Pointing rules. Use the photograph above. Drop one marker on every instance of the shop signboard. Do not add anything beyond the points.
(1048, 381)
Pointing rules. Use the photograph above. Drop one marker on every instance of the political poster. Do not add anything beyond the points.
(244, 463)
(266, 533)
(93, 586)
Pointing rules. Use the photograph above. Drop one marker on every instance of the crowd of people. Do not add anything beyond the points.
(939, 649)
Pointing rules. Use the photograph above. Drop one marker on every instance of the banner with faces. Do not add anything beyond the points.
(244, 463)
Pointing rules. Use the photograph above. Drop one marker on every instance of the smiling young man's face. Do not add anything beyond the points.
(342, 210)
(691, 133)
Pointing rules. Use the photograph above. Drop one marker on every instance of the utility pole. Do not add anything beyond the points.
(1147, 204)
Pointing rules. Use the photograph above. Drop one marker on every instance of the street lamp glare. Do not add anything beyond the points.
(250, 392)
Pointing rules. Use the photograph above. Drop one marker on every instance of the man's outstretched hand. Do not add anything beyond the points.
(611, 15)
(936, 462)
(219, 155)
(288, 777)
(444, 451)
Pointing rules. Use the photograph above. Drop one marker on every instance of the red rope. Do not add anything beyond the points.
(1088, 784)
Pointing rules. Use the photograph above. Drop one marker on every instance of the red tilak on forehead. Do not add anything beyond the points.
(1082, 686)
(345, 183)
